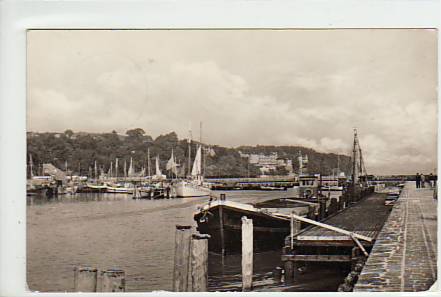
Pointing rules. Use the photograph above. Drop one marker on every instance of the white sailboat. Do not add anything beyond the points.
(172, 166)
(131, 171)
(193, 187)
(158, 174)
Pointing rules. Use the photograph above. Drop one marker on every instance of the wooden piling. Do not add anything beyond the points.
(333, 206)
(341, 203)
(182, 258)
(322, 209)
(113, 280)
(289, 272)
(295, 227)
(311, 212)
(221, 228)
(277, 274)
(199, 262)
(247, 254)
(85, 279)
(355, 257)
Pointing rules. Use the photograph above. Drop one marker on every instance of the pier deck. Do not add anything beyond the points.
(365, 218)
(404, 255)
(317, 244)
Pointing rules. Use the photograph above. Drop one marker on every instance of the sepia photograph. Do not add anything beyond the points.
(231, 160)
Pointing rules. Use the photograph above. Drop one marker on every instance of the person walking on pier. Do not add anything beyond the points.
(418, 180)
(423, 180)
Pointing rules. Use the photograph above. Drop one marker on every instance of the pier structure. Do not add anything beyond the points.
(338, 243)
(404, 256)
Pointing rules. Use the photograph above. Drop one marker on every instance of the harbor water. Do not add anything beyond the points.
(116, 231)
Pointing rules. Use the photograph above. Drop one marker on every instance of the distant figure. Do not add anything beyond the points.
(167, 191)
(430, 178)
(423, 181)
(418, 180)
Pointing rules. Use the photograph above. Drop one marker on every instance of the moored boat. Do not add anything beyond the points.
(194, 186)
(190, 189)
(221, 219)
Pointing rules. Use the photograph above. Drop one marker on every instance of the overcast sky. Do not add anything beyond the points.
(248, 87)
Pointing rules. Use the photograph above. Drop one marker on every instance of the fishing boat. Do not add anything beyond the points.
(221, 219)
(120, 189)
(91, 188)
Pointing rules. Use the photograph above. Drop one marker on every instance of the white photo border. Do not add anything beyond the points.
(16, 17)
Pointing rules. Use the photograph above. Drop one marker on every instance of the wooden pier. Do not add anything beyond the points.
(364, 218)
(404, 257)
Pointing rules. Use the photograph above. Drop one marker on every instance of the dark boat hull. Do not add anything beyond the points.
(269, 232)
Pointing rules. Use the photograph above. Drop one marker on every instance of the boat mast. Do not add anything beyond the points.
(125, 168)
(338, 165)
(354, 160)
(148, 164)
(116, 169)
(189, 151)
(31, 166)
(203, 151)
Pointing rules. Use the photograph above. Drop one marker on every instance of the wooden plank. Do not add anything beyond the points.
(303, 202)
(324, 243)
(360, 246)
(323, 237)
(317, 258)
(336, 229)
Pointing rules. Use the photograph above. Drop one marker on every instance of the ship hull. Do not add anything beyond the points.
(184, 189)
(268, 232)
(119, 190)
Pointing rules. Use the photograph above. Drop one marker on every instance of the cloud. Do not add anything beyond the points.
(299, 88)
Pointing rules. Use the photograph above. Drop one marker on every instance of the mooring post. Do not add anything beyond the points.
(295, 228)
(85, 279)
(247, 254)
(322, 209)
(311, 212)
(289, 272)
(333, 206)
(199, 262)
(340, 203)
(291, 237)
(182, 258)
(355, 256)
(113, 280)
(221, 225)
(277, 274)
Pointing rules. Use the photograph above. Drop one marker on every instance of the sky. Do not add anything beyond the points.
(247, 87)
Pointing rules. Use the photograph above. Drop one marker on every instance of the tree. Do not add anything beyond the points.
(136, 133)
(68, 133)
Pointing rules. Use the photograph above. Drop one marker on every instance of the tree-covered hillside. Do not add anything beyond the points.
(80, 151)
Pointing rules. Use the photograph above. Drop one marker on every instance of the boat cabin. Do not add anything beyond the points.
(308, 185)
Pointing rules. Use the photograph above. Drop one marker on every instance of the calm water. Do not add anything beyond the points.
(115, 231)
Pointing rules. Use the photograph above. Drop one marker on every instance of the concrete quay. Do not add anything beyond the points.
(404, 256)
